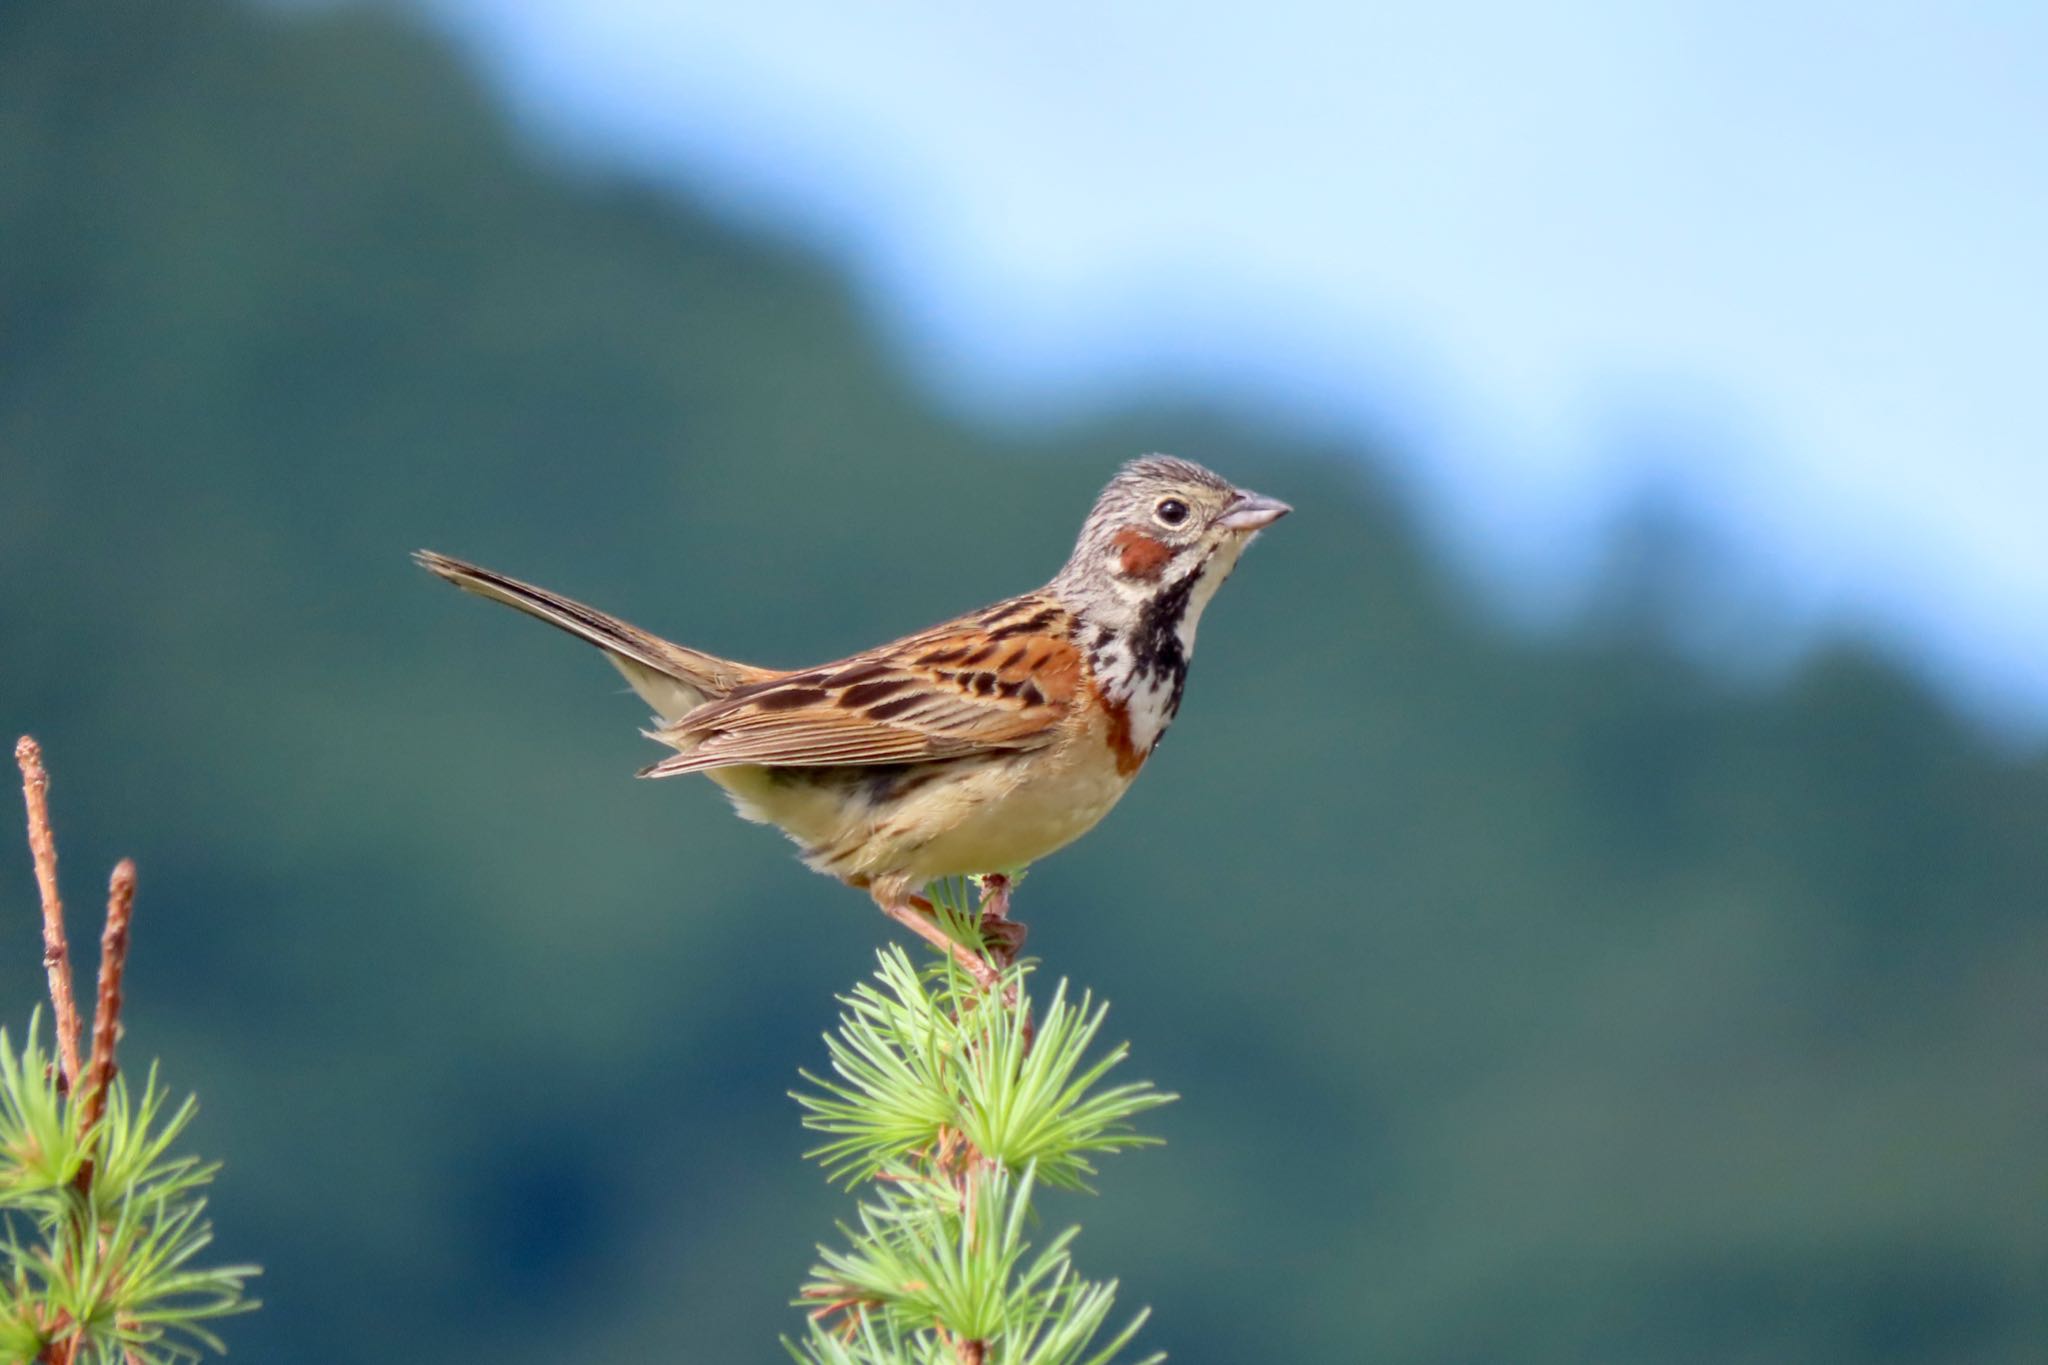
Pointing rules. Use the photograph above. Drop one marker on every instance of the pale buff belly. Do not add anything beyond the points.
(921, 822)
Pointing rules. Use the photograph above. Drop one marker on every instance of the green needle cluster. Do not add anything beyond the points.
(949, 1108)
(102, 1224)
(938, 1268)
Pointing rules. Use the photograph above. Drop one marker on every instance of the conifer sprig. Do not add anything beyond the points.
(951, 1109)
(100, 1222)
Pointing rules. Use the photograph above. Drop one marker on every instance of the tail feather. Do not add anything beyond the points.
(672, 679)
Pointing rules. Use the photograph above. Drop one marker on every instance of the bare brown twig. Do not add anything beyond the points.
(35, 789)
(106, 1013)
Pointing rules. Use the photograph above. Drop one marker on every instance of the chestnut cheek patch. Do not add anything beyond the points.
(1138, 555)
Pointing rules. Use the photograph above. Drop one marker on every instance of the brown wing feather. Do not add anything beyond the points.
(1000, 679)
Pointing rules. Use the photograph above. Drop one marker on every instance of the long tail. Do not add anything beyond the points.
(672, 679)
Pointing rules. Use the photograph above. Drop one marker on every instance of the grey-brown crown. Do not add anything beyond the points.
(1157, 522)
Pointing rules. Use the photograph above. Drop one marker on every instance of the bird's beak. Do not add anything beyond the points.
(1250, 511)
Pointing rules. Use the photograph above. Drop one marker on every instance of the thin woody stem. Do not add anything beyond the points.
(106, 1015)
(969, 1350)
(951, 1158)
(1002, 945)
(35, 788)
(1003, 935)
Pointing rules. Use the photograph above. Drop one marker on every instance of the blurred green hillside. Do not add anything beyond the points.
(1534, 1000)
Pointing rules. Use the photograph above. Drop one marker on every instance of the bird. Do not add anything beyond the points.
(972, 748)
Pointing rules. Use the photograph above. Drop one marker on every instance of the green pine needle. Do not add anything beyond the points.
(953, 1111)
(1029, 1103)
(915, 1262)
(915, 1059)
(110, 1267)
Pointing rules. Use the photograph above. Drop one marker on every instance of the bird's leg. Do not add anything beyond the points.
(1004, 936)
(916, 914)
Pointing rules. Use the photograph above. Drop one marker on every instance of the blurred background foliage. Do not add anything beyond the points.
(1535, 999)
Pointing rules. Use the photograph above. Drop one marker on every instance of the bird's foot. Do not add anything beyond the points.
(1003, 935)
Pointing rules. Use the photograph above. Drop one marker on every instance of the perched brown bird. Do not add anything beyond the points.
(977, 746)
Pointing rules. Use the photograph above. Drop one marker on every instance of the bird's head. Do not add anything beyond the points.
(1164, 528)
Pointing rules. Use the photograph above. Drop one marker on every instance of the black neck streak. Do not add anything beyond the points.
(1156, 650)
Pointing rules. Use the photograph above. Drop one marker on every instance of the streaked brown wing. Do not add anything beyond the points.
(1000, 679)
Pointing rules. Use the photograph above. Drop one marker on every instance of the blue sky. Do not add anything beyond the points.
(1789, 259)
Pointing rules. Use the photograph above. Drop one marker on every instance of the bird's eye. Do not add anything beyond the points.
(1171, 511)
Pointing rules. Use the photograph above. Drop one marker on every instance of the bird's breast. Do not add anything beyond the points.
(994, 813)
